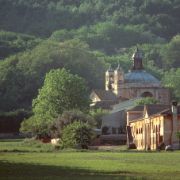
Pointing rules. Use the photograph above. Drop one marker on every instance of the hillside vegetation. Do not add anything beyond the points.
(83, 37)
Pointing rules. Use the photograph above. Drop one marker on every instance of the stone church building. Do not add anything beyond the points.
(136, 83)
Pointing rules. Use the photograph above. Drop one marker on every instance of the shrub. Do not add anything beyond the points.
(77, 134)
(97, 115)
(146, 100)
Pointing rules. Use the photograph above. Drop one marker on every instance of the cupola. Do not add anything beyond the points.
(137, 60)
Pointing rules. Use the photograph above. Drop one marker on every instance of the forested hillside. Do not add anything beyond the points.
(84, 36)
(160, 17)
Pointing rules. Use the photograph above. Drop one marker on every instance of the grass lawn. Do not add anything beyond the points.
(25, 161)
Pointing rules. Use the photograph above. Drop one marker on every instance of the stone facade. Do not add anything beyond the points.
(153, 125)
(136, 83)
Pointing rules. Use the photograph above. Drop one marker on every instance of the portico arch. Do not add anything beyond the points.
(146, 94)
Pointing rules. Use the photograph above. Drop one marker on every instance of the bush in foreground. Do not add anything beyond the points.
(77, 134)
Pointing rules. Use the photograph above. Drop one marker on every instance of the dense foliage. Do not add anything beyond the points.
(77, 134)
(172, 81)
(43, 17)
(61, 91)
(83, 37)
(22, 75)
(97, 115)
(12, 43)
(69, 117)
(146, 100)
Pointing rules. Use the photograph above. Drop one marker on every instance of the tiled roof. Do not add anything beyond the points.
(151, 108)
(125, 105)
(104, 104)
(140, 76)
(169, 111)
(105, 95)
(155, 108)
(137, 108)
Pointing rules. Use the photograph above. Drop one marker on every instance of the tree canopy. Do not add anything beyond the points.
(61, 91)
(172, 81)
(41, 18)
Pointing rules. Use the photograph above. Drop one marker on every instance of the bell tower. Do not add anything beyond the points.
(109, 79)
(118, 79)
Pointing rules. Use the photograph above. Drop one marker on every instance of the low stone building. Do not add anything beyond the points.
(114, 124)
(151, 126)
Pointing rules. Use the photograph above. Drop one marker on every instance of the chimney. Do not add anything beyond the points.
(174, 121)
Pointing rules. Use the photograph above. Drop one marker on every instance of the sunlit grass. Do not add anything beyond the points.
(27, 145)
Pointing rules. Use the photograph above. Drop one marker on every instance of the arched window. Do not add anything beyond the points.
(146, 94)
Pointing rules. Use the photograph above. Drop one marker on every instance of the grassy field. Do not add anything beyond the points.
(19, 160)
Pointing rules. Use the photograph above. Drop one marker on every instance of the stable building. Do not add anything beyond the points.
(150, 126)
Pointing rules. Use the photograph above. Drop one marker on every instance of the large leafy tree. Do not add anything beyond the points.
(171, 80)
(61, 91)
(172, 52)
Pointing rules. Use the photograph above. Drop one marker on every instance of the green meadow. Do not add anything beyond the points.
(27, 160)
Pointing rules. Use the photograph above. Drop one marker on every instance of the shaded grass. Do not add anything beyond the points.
(81, 164)
(30, 171)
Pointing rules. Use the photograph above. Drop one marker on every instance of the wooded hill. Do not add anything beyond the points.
(84, 36)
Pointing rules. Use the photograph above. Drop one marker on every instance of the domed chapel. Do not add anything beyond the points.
(136, 83)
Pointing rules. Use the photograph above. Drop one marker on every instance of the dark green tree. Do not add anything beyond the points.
(171, 80)
(172, 53)
(61, 91)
